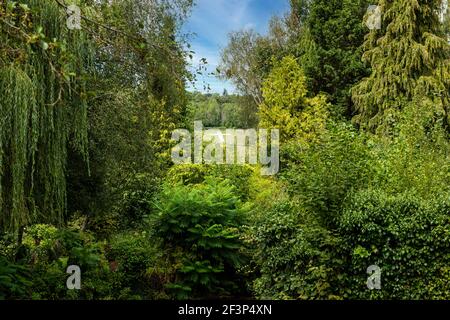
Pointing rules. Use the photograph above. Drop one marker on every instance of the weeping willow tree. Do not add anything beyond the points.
(43, 110)
(409, 57)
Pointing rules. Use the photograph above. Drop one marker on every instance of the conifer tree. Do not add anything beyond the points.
(409, 57)
(287, 105)
(334, 65)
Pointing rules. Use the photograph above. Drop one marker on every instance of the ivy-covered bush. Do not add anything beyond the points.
(295, 256)
(407, 237)
(404, 235)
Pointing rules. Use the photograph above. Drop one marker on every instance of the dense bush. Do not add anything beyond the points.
(130, 265)
(322, 175)
(200, 226)
(187, 174)
(191, 174)
(138, 266)
(51, 250)
(14, 280)
(356, 201)
(295, 256)
(406, 236)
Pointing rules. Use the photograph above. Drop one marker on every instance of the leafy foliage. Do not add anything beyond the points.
(387, 207)
(86, 178)
(402, 234)
(330, 49)
(14, 279)
(200, 225)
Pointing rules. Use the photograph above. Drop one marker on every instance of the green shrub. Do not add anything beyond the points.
(135, 204)
(51, 250)
(237, 175)
(200, 226)
(358, 200)
(192, 174)
(15, 280)
(295, 256)
(323, 175)
(406, 236)
(187, 174)
(138, 266)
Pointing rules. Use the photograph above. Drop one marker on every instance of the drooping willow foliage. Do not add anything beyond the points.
(43, 109)
(410, 60)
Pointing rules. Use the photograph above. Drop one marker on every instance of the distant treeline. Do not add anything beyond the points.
(226, 110)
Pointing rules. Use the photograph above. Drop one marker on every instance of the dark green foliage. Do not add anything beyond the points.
(322, 176)
(295, 255)
(140, 269)
(200, 225)
(129, 266)
(336, 33)
(388, 207)
(86, 177)
(50, 251)
(14, 279)
(407, 237)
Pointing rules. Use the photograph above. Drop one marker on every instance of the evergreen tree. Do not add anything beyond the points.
(409, 57)
(329, 44)
(287, 105)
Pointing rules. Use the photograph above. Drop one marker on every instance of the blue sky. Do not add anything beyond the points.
(212, 20)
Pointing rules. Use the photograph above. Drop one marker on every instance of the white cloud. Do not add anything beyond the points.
(213, 20)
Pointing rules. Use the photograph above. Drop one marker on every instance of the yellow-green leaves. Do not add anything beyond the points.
(285, 87)
(287, 106)
(409, 57)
